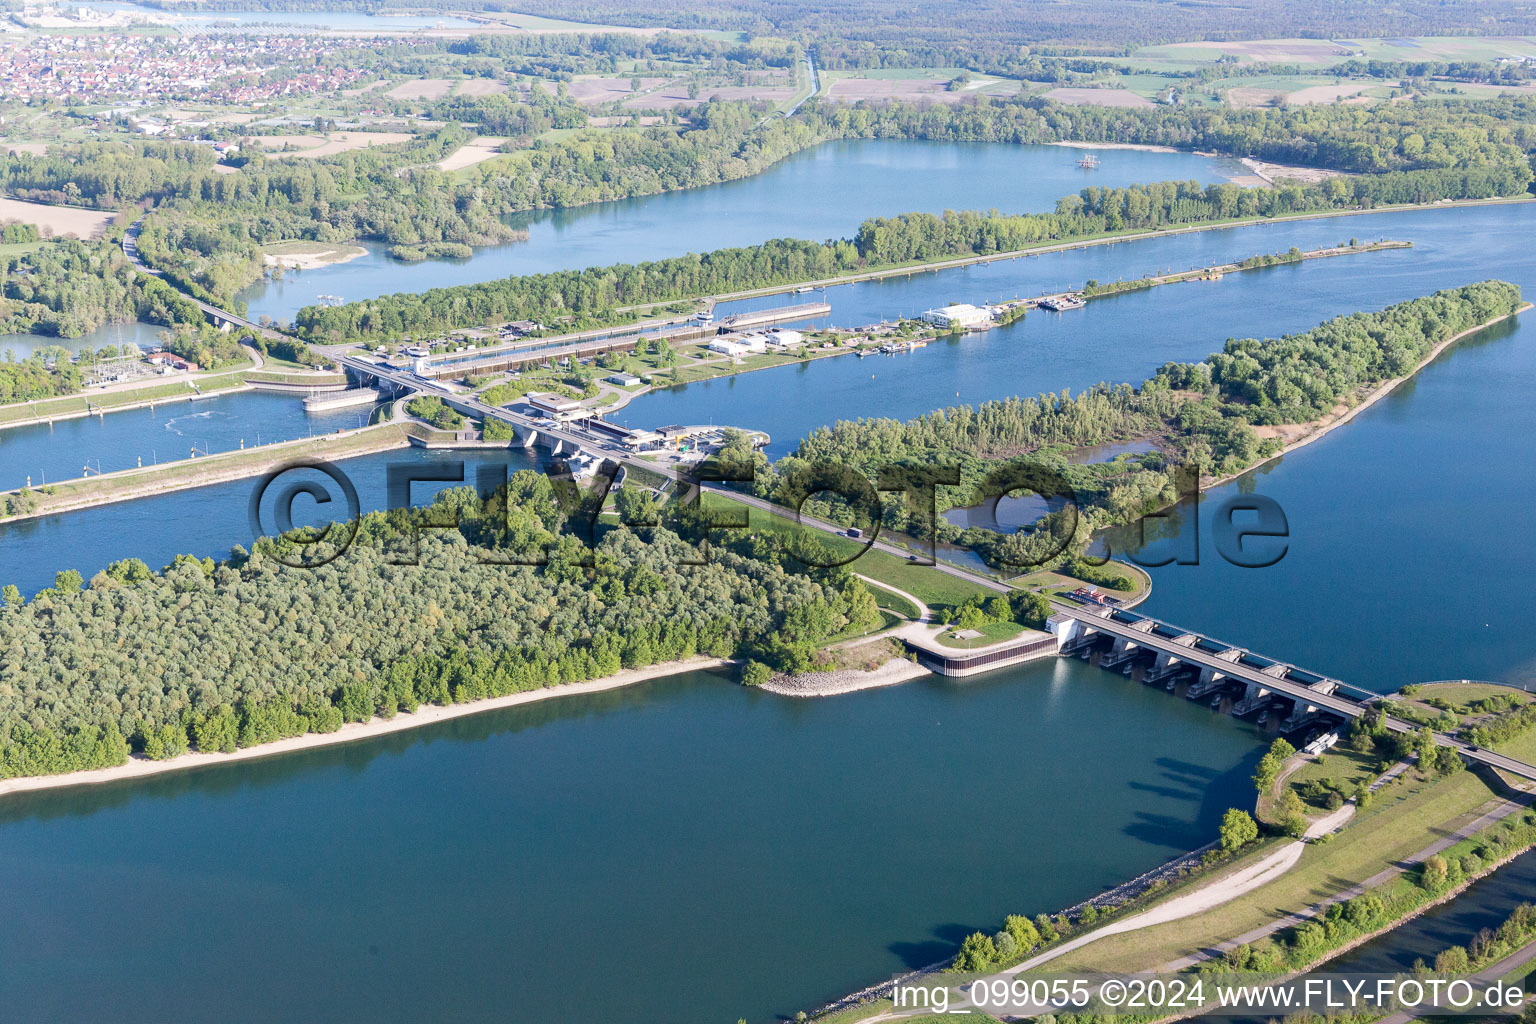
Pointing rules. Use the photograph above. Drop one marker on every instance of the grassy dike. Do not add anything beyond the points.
(149, 481)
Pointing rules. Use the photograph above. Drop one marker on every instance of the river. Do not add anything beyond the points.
(680, 852)
(165, 432)
(823, 192)
(687, 851)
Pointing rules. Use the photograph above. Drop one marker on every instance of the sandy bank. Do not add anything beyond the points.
(1298, 435)
(1138, 147)
(314, 259)
(138, 768)
(830, 684)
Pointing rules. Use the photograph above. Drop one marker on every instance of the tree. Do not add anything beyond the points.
(755, 673)
(1268, 771)
(1238, 829)
(977, 953)
(1292, 813)
(1024, 933)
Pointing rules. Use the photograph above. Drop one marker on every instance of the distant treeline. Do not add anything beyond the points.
(590, 295)
(207, 228)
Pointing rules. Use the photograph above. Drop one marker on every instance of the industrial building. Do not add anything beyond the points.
(963, 315)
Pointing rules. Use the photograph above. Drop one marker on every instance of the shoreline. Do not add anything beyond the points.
(839, 682)
(1320, 429)
(427, 714)
(143, 403)
(1136, 236)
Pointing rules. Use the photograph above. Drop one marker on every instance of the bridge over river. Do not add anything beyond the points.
(1167, 651)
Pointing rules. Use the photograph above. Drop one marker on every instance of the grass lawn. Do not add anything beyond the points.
(1405, 817)
(1522, 747)
(938, 590)
(1345, 768)
(893, 602)
(1459, 695)
(991, 633)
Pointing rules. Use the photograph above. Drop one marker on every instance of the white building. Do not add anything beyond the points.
(779, 337)
(553, 405)
(963, 315)
(738, 344)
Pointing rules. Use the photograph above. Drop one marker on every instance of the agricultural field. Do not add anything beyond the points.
(677, 95)
(477, 150)
(1320, 53)
(422, 89)
(1098, 97)
(56, 220)
(913, 84)
(594, 90)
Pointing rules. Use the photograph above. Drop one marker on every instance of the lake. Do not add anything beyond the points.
(823, 192)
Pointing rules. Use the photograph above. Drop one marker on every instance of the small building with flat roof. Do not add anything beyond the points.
(553, 405)
(963, 315)
(623, 380)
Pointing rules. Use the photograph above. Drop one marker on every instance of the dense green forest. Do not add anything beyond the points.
(591, 295)
(67, 288)
(206, 228)
(970, 26)
(219, 656)
(1196, 414)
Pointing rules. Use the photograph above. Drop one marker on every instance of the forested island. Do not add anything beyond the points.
(215, 656)
(1201, 415)
(218, 656)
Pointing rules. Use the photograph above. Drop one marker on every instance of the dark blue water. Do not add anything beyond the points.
(681, 852)
(1121, 338)
(687, 851)
(820, 193)
(59, 451)
(208, 521)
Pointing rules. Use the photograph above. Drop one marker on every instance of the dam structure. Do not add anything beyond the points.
(1155, 651)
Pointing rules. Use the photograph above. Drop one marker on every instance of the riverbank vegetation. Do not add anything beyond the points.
(205, 229)
(215, 657)
(601, 295)
(1202, 414)
(68, 288)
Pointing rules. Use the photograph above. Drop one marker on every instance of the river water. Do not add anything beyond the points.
(59, 451)
(824, 192)
(686, 851)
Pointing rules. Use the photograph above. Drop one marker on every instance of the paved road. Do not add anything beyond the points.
(1492, 812)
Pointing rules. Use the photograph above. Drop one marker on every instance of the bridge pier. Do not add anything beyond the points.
(1209, 680)
(1253, 696)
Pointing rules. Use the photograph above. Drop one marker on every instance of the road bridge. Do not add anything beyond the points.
(1078, 627)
